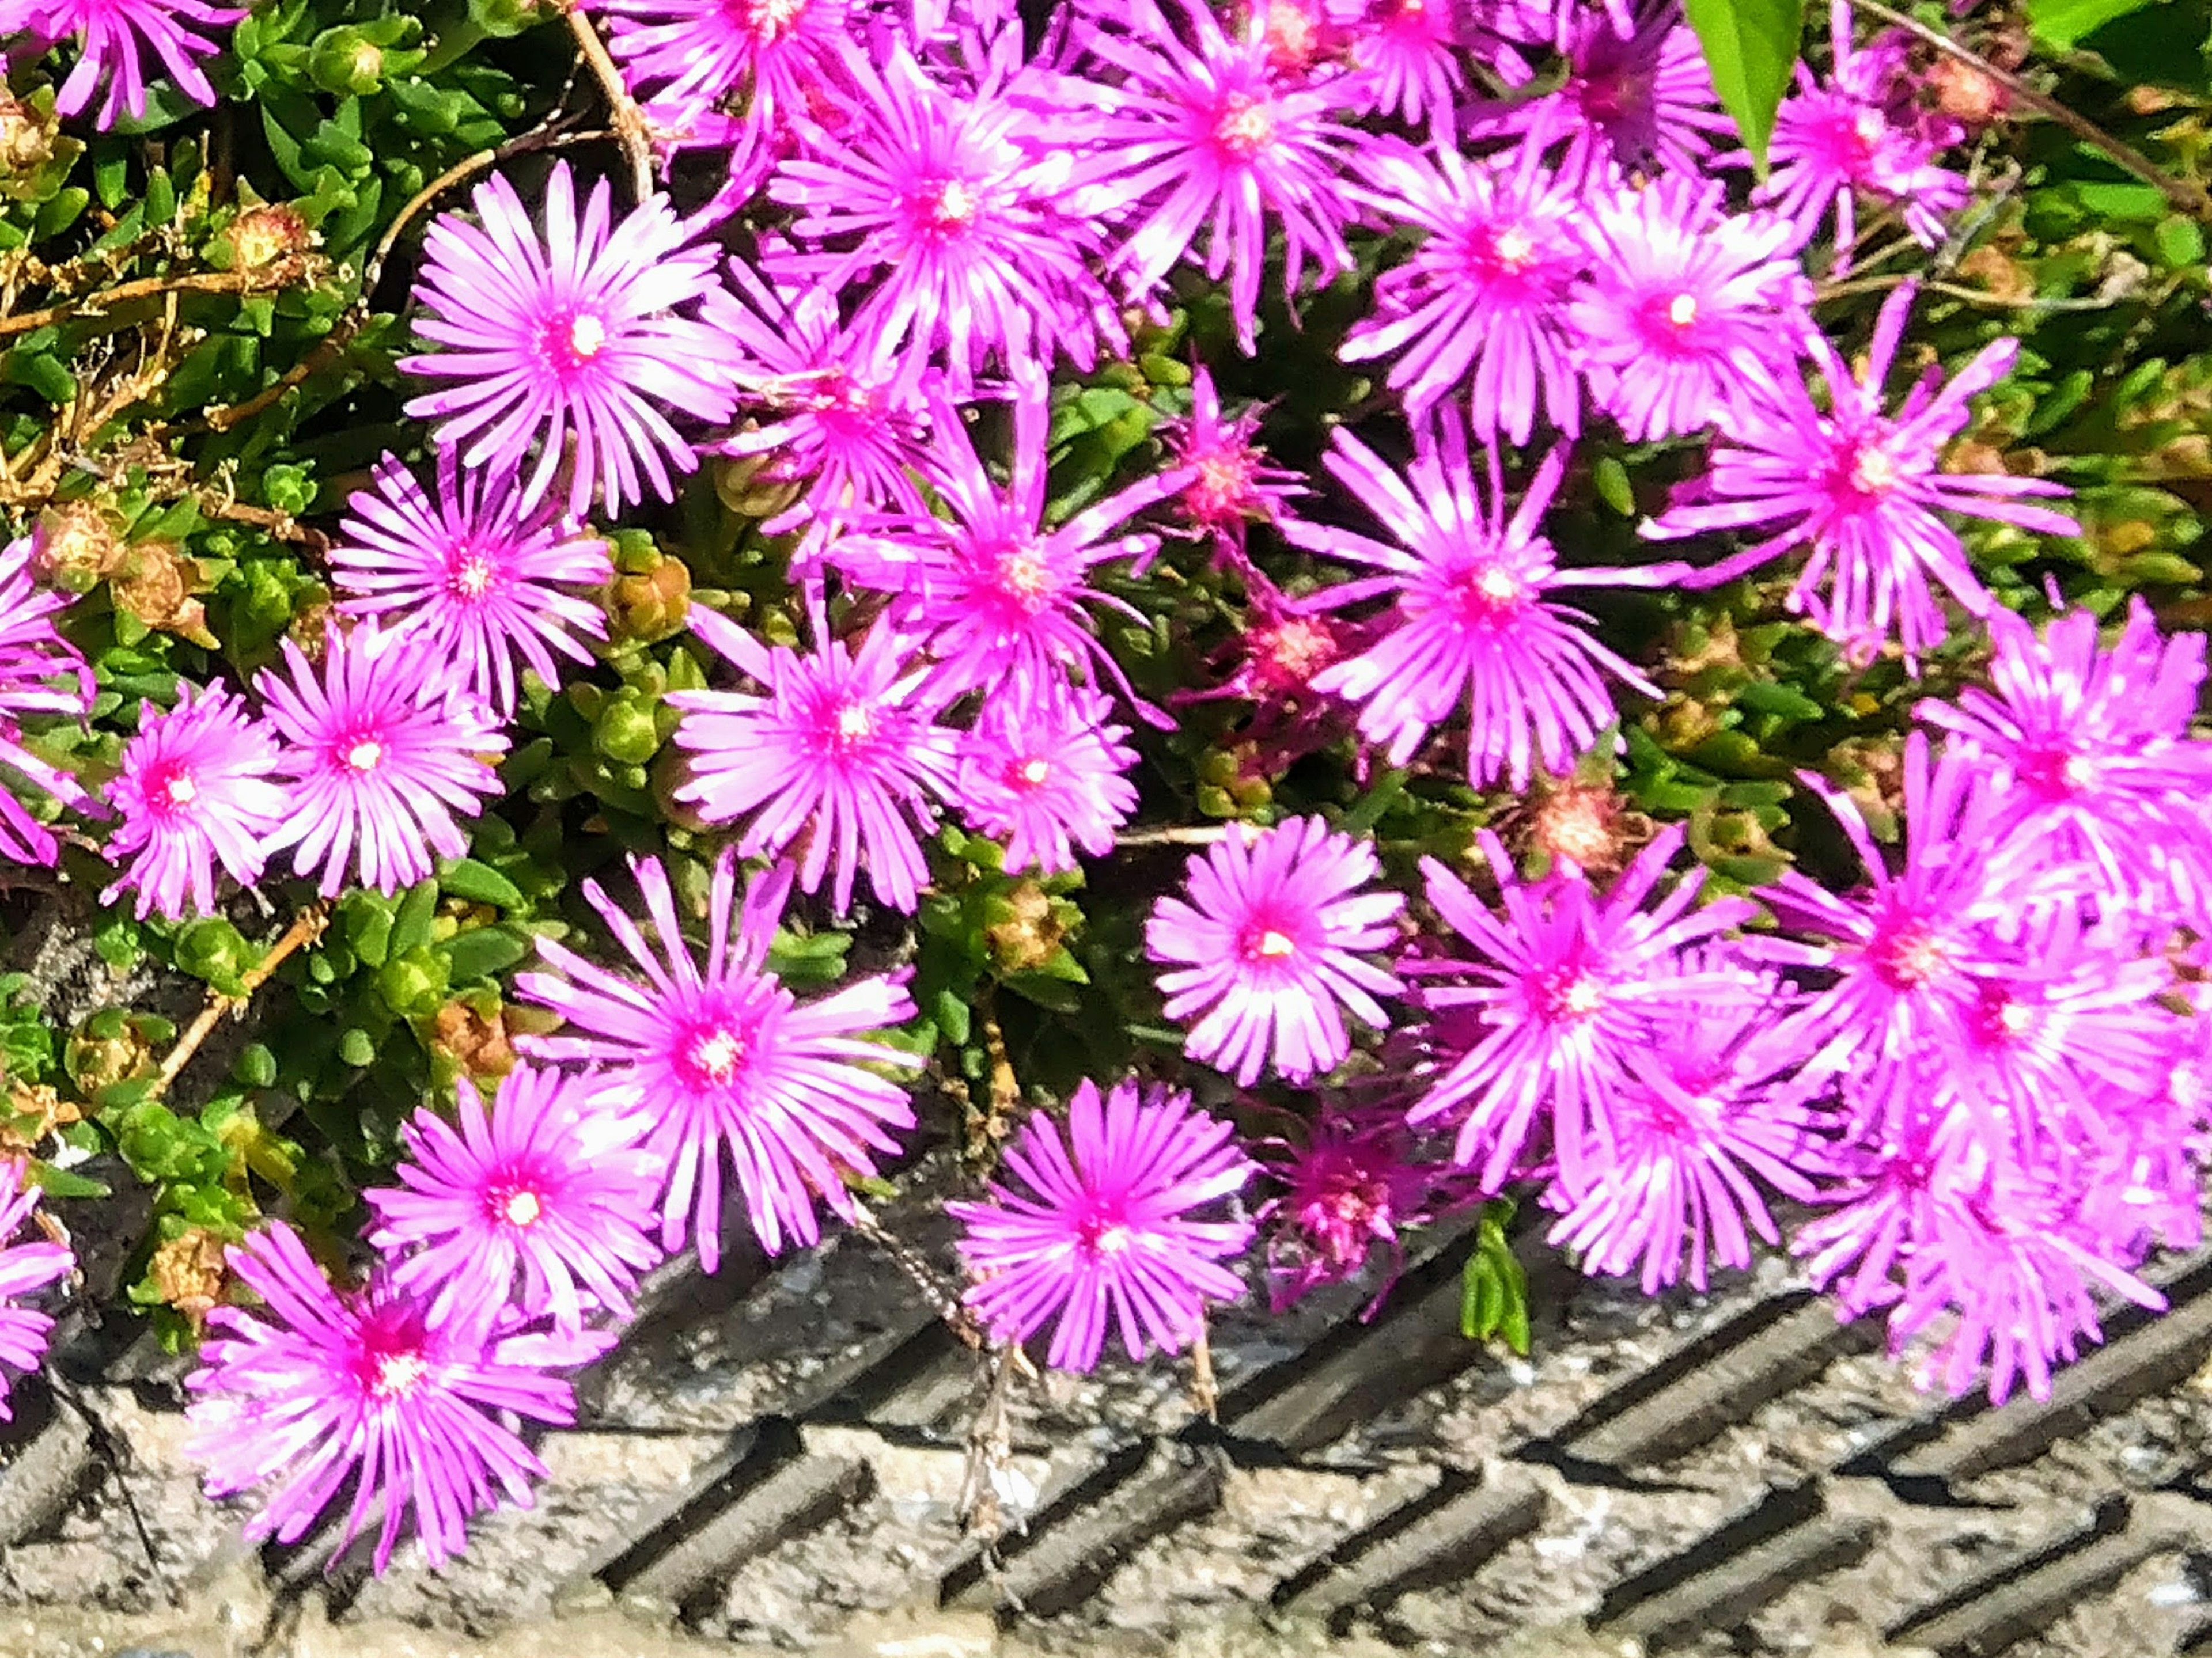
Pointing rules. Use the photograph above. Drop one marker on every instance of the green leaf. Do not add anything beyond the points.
(1493, 1288)
(410, 927)
(1611, 479)
(1751, 47)
(2061, 24)
(480, 884)
(483, 950)
(66, 1183)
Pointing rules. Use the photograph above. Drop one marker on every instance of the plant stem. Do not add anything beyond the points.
(622, 108)
(307, 926)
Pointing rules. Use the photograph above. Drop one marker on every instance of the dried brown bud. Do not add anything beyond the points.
(476, 1042)
(1030, 935)
(308, 630)
(187, 1272)
(1966, 93)
(26, 139)
(77, 543)
(157, 584)
(1578, 823)
(262, 235)
(32, 1114)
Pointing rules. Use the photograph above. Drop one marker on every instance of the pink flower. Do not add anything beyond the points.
(1230, 484)
(1568, 987)
(1688, 315)
(32, 656)
(570, 336)
(995, 596)
(546, 1183)
(115, 39)
(725, 1058)
(1047, 777)
(1209, 135)
(1473, 622)
(1859, 486)
(1106, 1231)
(1351, 1185)
(384, 747)
(960, 203)
(196, 790)
(474, 572)
(1269, 950)
(1406, 59)
(840, 746)
(317, 1390)
(24, 1269)
(1481, 302)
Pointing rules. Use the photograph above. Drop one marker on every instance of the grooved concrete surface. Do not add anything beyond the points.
(779, 1460)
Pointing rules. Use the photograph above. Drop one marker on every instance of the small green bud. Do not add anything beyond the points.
(627, 732)
(356, 1048)
(215, 951)
(345, 61)
(413, 983)
(256, 1066)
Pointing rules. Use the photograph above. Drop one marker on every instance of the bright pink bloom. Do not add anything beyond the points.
(196, 789)
(115, 40)
(1567, 988)
(1482, 301)
(384, 746)
(1047, 776)
(32, 656)
(1350, 1184)
(1406, 62)
(841, 746)
(995, 596)
(1267, 950)
(1860, 486)
(571, 341)
(546, 1182)
(25, 1268)
(474, 571)
(316, 1389)
(1230, 484)
(725, 1058)
(1106, 1231)
(1473, 622)
(1200, 131)
(1688, 314)
(959, 201)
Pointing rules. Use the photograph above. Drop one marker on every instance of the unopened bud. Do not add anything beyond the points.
(262, 235)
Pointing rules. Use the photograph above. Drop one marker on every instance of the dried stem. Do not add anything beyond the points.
(622, 109)
(307, 926)
(932, 1284)
(1174, 835)
(2188, 197)
(280, 273)
(1204, 1393)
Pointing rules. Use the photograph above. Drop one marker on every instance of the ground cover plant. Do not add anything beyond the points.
(1272, 627)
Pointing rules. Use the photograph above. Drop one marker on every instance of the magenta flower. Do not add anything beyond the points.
(1230, 484)
(1566, 989)
(1351, 1185)
(1106, 1229)
(2089, 754)
(1635, 100)
(1695, 1131)
(25, 1268)
(1861, 135)
(32, 656)
(318, 1389)
(572, 336)
(1482, 301)
(760, 58)
(831, 410)
(474, 572)
(1473, 622)
(546, 1182)
(1406, 62)
(196, 789)
(940, 193)
(1860, 486)
(1207, 135)
(384, 747)
(996, 597)
(1688, 314)
(841, 746)
(115, 39)
(1267, 951)
(725, 1058)
(1047, 777)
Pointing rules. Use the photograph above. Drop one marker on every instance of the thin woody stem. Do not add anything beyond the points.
(2188, 196)
(307, 926)
(280, 273)
(629, 124)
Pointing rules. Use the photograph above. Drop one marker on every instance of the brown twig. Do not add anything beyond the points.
(280, 273)
(629, 122)
(2188, 196)
(1174, 835)
(932, 1284)
(307, 926)
(1204, 1394)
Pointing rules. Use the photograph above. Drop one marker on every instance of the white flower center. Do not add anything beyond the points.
(1872, 471)
(472, 577)
(586, 335)
(522, 1209)
(1275, 946)
(1246, 125)
(956, 205)
(1682, 310)
(365, 756)
(1583, 998)
(1515, 247)
(1034, 772)
(715, 1055)
(399, 1375)
(855, 723)
(182, 791)
(771, 19)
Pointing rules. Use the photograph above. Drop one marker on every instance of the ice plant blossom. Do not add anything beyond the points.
(546, 1184)
(317, 1388)
(723, 1062)
(1267, 951)
(1050, 776)
(475, 572)
(25, 1269)
(41, 673)
(385, 751)
(198, 790)
(1861, 486)
(1097, 1233)
(570, 340)
(118, 41)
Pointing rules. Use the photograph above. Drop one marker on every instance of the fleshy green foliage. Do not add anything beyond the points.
(201, 318)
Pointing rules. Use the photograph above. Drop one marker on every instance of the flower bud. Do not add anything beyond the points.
(216, 952)
(262, 235)
(645, 607)
(77, 543)
(345, 61)
(413, 985)
(626, 730)
(26, 136)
